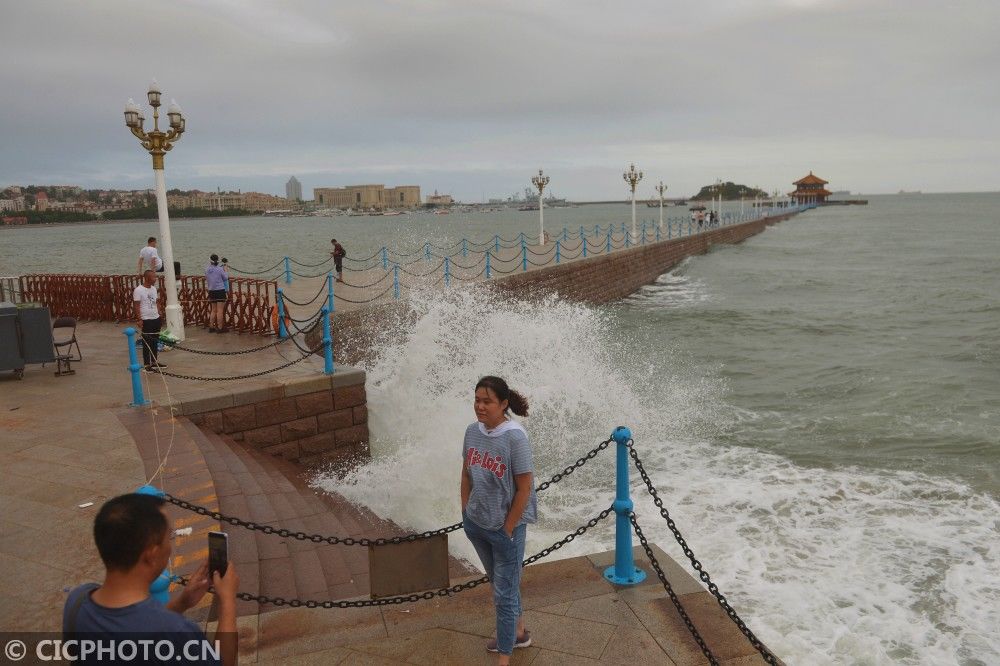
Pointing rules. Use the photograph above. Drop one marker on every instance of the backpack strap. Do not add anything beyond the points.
(74, 610)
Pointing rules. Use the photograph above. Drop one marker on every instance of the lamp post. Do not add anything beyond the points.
(661, 188)
(540, 181)
(158, 142)
(632, 177)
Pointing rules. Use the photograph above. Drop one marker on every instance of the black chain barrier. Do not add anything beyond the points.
(251, 375)
(670, 591)
(266, 270)
(695, 564)
(312, 300)
(227, 353)
(349, 541)
(413, 598)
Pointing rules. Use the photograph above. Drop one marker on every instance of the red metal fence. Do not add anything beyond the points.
(109, 298)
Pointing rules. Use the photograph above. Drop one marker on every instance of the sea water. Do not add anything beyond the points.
(818, 406)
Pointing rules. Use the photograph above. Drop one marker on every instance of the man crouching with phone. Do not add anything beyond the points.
(133, 536)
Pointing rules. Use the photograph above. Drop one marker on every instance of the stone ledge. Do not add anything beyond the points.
(237, 396)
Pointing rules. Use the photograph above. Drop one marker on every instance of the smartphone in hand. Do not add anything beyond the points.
(218, 553)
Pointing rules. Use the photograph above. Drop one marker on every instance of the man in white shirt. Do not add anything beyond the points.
(147, 312)
(149, 257)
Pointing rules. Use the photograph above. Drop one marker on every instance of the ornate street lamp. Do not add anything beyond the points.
(158, 142)
(661, 188)
(632, 177)
(540, 182)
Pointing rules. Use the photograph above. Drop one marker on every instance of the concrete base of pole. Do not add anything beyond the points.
(175, 321)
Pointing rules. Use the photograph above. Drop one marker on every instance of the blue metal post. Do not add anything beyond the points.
(670, 226)
(522, 241)
(385, 259)
(582, 235)
(627, 234)
(427, 251)
(564, 234)
(282, 331)
(395, 280)
(609, 242)
(329, 292)
(643, 232)
(624, 572)
(447, 272)
(133, 367)
(288, 271)
(597, 231)
(465, 248)
(496, 243)
(328, 346)
(489, 273)
(558, 245)
(583, 241)
(623, 228)
(159, 589)
(524, 257)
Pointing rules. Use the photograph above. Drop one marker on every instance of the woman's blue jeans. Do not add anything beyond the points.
(501, 557)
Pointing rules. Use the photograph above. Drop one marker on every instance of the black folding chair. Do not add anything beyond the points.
(64, 342)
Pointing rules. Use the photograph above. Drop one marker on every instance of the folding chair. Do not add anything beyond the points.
(63, 345)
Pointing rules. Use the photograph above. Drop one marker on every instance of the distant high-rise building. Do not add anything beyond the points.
(293, 189)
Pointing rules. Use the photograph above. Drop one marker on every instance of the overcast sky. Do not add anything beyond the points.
(471, 97)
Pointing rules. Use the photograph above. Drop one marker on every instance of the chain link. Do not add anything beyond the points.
(695, 564)
(226, 353)
(415, 597)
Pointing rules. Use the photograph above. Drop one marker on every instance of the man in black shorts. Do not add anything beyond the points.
(338, 255)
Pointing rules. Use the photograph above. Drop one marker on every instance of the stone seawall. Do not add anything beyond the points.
(308, 420)
(607, 278)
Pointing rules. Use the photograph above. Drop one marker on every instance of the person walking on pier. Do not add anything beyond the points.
(338, 255)
(147, 312)
(498, 503)
(149, 257)
(215, 282)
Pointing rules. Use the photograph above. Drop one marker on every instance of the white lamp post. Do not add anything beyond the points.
(632, 177)
(661, 188)
(158, 143)
(540, 181)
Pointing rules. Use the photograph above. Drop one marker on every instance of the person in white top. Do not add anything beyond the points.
(147, 312)
(149, 257)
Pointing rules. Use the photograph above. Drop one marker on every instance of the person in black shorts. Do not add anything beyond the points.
(338, 255)
(215, 283)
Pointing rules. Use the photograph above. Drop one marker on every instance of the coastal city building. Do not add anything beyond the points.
(41, 201)
(439, 199)
(810, 190)
(248, 201)
(293, 189)
(14, 204)
(366, 197)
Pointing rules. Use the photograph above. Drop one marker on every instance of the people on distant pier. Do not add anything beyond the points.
(338, 255)
(148, 315)
(133, 536)
(149, 257)
(498, 503)
(215, 283)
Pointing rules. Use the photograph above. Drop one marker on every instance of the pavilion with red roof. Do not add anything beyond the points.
(810, 190)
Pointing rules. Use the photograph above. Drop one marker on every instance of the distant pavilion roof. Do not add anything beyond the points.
(811, 180)
(823, 192)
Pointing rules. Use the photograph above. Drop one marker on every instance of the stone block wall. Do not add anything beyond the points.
(311, 421)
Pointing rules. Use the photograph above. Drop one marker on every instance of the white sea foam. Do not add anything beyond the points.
(828, 566)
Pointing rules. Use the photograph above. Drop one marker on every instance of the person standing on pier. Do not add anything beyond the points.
(498, 503)
(147, 312)
(338, 255)
(149, 257)
(215, 283)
